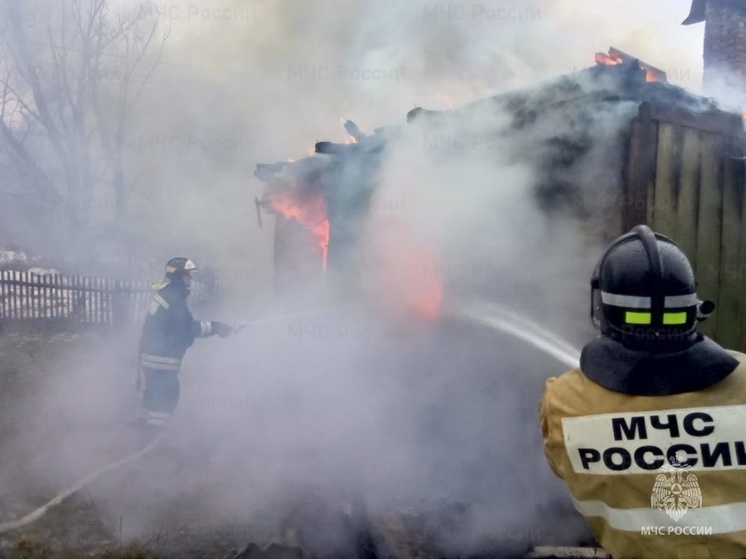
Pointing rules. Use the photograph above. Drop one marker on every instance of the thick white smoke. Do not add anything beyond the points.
(262, 80)
(360, 409)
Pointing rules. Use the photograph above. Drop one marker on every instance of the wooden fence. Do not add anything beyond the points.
(685, 179)
(78, 300)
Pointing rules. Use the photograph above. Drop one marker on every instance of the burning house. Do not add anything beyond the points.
(610, 146)
(319, 201)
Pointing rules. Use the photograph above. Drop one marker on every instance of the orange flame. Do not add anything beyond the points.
(616, 57)
(607, 60)
(310, 212)
(429, 296)
(405, 277)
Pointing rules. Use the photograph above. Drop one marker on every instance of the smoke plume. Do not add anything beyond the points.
(339, 422)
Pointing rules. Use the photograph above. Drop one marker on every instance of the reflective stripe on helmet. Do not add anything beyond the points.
(674, 318)
(638, 302)
(631, 317)
(628, 301)
(678, 301)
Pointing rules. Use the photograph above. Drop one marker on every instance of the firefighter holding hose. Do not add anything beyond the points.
(169, 330)
(648, 433)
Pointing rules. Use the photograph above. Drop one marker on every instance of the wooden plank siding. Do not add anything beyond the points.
(640, 169)
(729, 314)
(685, 178)
(709, 228)
(665, 186)
(687, 215)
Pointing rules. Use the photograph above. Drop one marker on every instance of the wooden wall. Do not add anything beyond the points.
(685, 179)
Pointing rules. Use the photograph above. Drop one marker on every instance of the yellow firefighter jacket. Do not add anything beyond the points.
(654, 476)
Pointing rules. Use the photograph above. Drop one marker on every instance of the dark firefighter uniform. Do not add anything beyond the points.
(169, 330)
(649, 433)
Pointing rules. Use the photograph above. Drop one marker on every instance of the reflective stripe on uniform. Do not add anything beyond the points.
(721, 518)
(156, 419)
(160, 363)
(156, 303)
(161, 301)
(205, 328)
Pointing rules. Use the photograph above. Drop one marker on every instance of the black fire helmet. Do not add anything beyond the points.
(177, 267)
(644, 300)
(644, 290)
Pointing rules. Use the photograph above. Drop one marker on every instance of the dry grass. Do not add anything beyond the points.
(34, 548)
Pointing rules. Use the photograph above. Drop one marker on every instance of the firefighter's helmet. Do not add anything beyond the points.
(643, 291)
(177, 267)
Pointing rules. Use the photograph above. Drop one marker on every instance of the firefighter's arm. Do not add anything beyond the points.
(545, 420)
(204, 329)
(191, 328)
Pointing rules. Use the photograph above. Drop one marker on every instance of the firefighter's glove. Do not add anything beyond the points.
(221, 329)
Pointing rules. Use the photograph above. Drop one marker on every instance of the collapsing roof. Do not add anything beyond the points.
(343, 173)
(572, 132)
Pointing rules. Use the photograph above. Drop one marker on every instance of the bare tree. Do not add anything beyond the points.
(71, 72)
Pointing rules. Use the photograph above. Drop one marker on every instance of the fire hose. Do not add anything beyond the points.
(41, 511)
(492, 316)
(80, 484)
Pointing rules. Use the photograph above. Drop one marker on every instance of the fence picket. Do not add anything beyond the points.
(17, 294)
(79, 300)
(37, 296)
(3, 295)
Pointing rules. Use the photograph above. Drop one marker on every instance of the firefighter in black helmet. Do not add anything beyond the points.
(169, 330)
(648, 432)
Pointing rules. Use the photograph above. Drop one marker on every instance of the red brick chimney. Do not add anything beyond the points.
(725, 42)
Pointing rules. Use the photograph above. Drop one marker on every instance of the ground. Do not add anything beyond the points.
(236, 471)
(75, 528)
